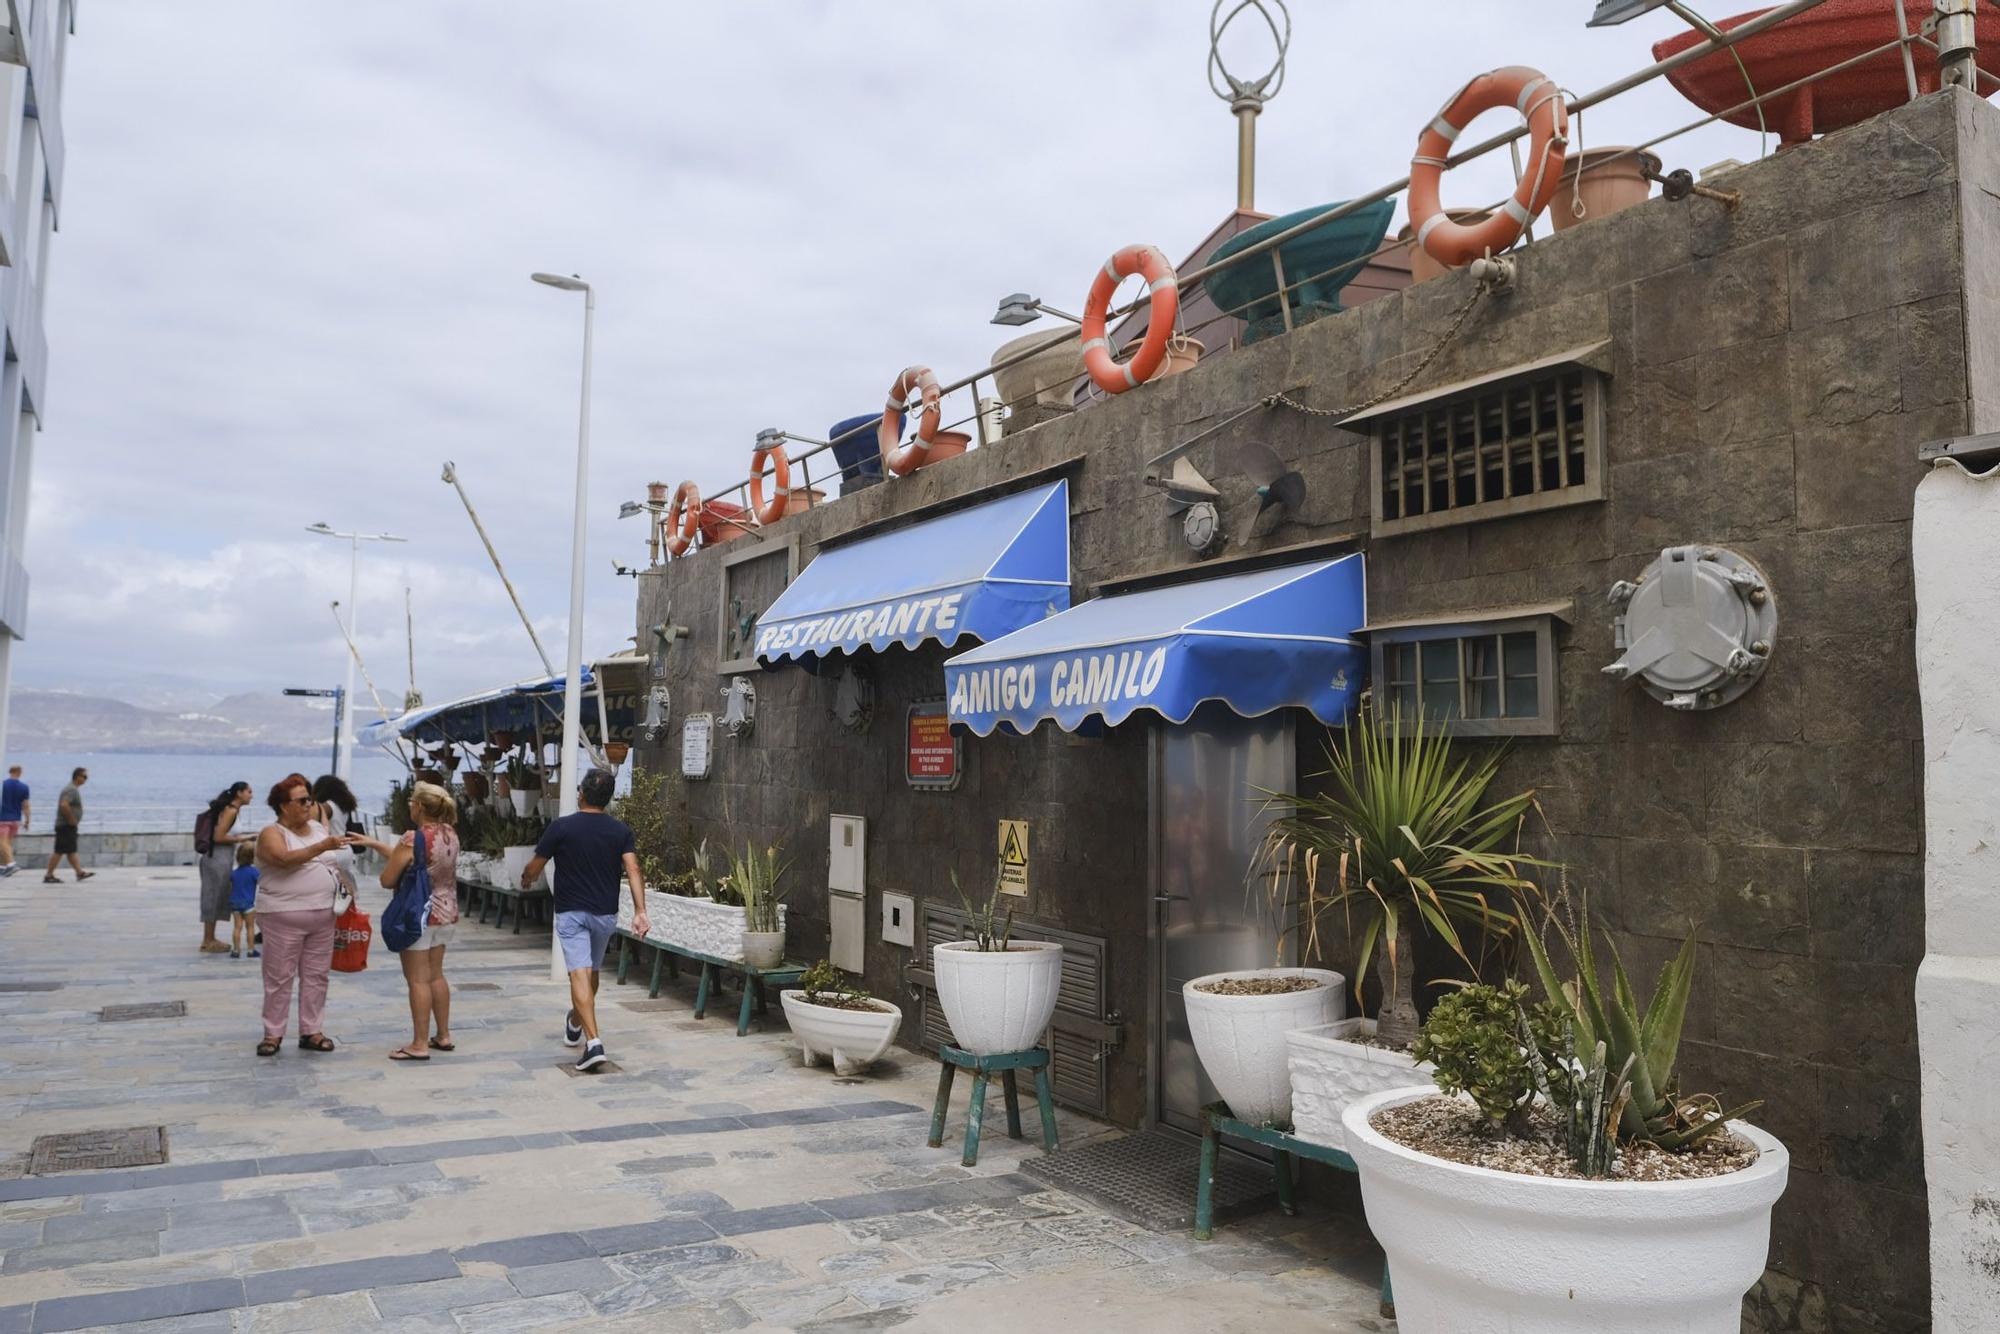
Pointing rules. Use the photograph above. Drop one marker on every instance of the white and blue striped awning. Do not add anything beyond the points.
(1269, 639)
(983, 572)
(517, 708)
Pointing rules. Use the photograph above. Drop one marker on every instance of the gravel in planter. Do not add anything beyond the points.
(1260, 986)
(1454, 1130)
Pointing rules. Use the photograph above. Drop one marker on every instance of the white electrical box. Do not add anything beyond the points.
(847, 859)
(848, 916)
(899, 919)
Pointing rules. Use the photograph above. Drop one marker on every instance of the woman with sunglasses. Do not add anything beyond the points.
(297, 877)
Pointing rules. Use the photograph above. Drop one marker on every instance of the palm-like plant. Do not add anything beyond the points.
(1403, 837)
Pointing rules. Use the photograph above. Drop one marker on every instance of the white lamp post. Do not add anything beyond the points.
(343, 760)
(572, 680)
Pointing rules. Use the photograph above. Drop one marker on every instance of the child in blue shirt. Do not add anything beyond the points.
(243, 902)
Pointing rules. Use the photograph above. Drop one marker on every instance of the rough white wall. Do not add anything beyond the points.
(1956, 542)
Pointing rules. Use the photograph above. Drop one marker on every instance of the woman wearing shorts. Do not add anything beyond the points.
(423, 963)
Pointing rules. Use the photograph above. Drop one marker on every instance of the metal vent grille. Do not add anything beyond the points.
(1076, 1063)
(1517, 445)
(118, 1014)
(94, 1150)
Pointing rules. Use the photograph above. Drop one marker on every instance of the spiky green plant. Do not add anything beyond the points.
(985, 934)
(1643, 1042)
(754, 877)
(1409, 836)
(1585, 1093)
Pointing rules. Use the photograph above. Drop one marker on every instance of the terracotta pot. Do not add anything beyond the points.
(1422, 267)
(475, 787)
(802, 498)
(616, 751)
(1182, 354)
(947, 445)
(722, 522)
(1599, 182)
(501, 738)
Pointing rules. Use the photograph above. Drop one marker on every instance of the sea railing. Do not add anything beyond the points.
(1947, 34)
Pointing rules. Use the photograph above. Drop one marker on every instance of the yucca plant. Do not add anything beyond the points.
(754, 877)
(1642, 1042)
(991, 931)
(1403, 838)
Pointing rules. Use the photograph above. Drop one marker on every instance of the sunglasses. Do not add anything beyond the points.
(294, 801)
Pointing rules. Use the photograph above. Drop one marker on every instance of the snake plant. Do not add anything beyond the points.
(754, 877)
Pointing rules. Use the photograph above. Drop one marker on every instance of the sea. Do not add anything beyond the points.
(148, 793)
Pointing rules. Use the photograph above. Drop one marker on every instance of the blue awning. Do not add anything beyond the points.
(515, 708)
(984, 572)
(1270, 639)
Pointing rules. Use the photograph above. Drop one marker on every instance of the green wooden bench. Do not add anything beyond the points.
(713, 969)
(1216, 1122)
(953, 1059)
(497, 898)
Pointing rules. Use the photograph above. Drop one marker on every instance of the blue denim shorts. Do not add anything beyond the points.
(584, 936)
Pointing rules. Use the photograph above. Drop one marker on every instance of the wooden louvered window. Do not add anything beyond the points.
(1502, 448)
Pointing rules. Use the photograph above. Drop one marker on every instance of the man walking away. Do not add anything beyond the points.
(590, 848)
(13, 817)
(69, 814)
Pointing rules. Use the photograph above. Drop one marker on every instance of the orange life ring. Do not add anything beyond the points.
(683, 516)
(1544, 108)
(781, 483)
(1106, 373)
(906, 459)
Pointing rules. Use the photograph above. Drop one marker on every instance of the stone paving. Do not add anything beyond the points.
(715, 1184)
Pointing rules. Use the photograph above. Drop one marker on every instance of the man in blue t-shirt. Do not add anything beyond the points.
(590, 848)
(13, 816)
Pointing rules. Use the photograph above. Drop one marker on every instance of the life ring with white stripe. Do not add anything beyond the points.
(1107, 373)
(683, 517)
(1543, 107)
(781, 483)
(906, 459)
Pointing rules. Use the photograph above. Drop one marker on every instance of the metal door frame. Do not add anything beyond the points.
(1154, 1013)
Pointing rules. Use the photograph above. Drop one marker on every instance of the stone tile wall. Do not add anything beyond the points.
(1773, 370)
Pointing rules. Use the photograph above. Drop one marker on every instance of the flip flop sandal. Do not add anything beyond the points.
(269, 1047)
(317, 1042)
(443, 1046)
(405, 1054)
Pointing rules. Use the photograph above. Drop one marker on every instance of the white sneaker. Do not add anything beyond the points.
(9, 869)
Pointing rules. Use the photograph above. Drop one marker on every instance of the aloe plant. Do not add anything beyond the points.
(754, 877)
(985, 934)
(1404, 836)
(1641, 1042)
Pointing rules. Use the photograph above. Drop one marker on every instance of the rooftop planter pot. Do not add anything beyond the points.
(853, 1038)
(860, 454)
(722, 522)
(1422, 267)
(802, 498)
(947, 445)
(1601, 181)
(1478, 1251)
(998, 1000)
(1804, 44)
(1332, 1068)
(1047, 377)
(1240, 1039)
(1320, 262)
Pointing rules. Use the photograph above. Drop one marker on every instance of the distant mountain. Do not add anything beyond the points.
(259, 724)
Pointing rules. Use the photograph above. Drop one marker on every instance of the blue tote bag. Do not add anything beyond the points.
(403, 921)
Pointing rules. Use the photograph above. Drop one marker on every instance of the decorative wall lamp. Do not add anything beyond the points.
(1697, 628)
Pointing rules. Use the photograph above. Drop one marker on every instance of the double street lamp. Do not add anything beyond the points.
(343, 759)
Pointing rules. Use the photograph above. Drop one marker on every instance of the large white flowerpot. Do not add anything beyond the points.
(515, 860)
(1241, 1039)
(522, 800)
(763, 949)
(852, 1038)
(1330, 1070)
(1476, 1251)
(998, 1000)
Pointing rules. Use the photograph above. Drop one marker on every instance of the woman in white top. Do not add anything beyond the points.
(295, 891)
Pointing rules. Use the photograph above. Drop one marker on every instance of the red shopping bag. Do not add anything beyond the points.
(351, 934)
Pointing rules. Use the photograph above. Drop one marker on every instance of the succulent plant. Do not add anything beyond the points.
(1484, 1042)
(754, 877)
(988, 936)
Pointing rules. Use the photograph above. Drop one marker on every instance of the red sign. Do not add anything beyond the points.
(931, 756)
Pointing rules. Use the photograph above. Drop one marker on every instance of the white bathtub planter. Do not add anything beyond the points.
(1240, 1039)
(1331, 1069)
(1477, 1251)
(998, 1000)
(833, 1017)
(702, 925)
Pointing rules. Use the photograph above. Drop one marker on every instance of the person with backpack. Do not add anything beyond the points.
(215, 853)
(434, 814)
(13, 817)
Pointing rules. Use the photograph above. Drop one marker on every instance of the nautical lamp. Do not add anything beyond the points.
(631, 509)
(1246, 97)
(1612, 12)
(1020, 308)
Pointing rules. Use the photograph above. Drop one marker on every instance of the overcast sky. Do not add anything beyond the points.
(292, 272)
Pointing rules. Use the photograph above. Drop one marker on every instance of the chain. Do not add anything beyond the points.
(1282, 400)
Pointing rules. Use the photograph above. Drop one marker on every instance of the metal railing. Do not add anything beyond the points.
(1947, 33)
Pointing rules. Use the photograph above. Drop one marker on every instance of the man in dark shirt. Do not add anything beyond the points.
(590, 848)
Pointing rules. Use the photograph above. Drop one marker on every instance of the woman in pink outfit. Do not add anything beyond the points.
(295, 889)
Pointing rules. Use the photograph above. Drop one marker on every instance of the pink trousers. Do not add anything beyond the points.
(296, 945)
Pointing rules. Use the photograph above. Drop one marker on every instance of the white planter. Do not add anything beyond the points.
(522, 800)
(763, 949)
(1241, 1039)
(1475, 1251)
(515, 860)
(853, 1038)
(551, 804)
(1329, 1072)
(998, 1000)
(701, 924)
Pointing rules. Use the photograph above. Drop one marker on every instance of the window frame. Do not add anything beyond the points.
(1547, 718)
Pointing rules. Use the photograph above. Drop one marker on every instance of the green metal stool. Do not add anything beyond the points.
(952, 1059)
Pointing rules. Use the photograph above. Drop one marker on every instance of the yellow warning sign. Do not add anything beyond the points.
(1014, 857)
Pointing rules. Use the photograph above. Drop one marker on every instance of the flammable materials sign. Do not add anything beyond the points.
(1014, 858)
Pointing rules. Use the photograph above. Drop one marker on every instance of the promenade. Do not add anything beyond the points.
(712, 1184)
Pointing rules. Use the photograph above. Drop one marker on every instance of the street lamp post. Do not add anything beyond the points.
(343, 761)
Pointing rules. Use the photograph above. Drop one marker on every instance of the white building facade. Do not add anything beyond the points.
(32, 51)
